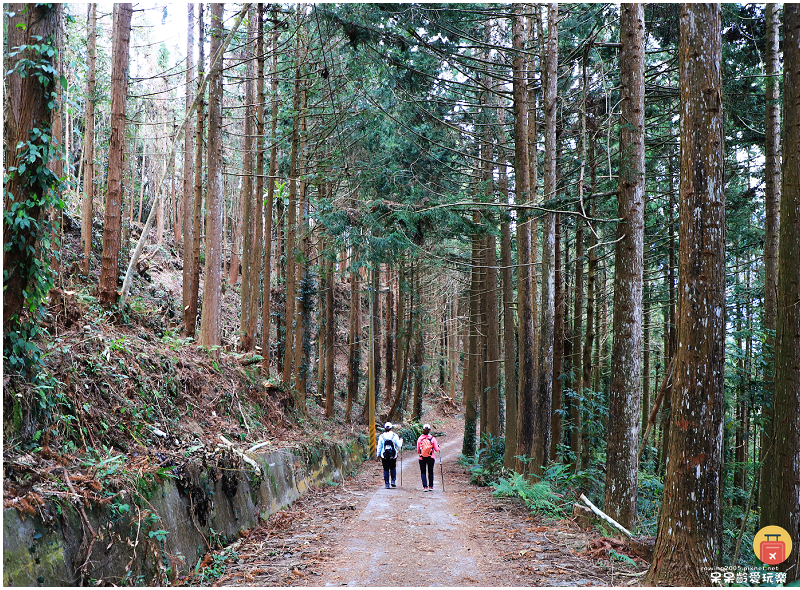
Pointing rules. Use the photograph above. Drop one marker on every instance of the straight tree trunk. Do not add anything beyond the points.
(258, 214)
(212, 284)
(689, 532)
(509, 328)
(376, 325)
(249, 219)
(401, 337)
(782, 505)
(587, 389)
(291, 223)
(772, 206)
(354, 344)
(330, 334)
(390, 329)
(543, 399)
(558, 348)
(577, 356)
(419, 351)
(626, 358)
(190, 308)
(26, 108)
(525, 384)
(273, 167)
(471, 383)
(109, 272)
(88, 143)
(646, 355)
(491, 409)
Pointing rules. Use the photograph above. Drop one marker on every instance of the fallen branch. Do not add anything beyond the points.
(665, 383)
(606, 517)
(228, 445)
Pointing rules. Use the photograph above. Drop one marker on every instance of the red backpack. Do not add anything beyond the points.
(426, 447)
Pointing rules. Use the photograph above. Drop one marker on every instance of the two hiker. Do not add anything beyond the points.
(389, 445)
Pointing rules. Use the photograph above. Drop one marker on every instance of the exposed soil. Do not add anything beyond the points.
(360, 534)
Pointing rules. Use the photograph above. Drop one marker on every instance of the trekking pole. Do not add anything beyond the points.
(402, 442)
(441, 470)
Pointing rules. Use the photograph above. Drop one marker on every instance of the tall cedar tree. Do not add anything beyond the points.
(772, 205)
(249, 254)
(188, 169)
(291, 221)
(782, 505)
(109, 272)
(88, 144)
(190, 309)
(212, 284)
(689, 531)
(273, 167)
(543, 399)
(26, 108)
(626, 356)
(525, 383)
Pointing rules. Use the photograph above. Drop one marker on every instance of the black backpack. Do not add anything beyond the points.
(389, 452)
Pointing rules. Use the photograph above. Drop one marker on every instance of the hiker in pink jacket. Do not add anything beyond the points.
(427, 447)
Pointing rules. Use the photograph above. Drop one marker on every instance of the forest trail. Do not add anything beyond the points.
(361, 534)
(406, 536)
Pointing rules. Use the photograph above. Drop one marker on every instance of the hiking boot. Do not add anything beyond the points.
(387, 486)
(394, 485)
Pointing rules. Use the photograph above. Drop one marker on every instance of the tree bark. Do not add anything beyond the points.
(525, 383)
(291, 223)
(354, 344)
(190, 308)
(689, 532)
(273, 167)
(248, 230)
(772, 206)
(782, 497)
(626, 358)
(109, 272)
(509, 324)
(26, 108)
(543, 399)
(88, 143)
(330, 334)
(212, 284)
(558, 348)
(390, 330)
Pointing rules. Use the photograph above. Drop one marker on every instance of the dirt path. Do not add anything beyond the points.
(359, 534)
(408, 537)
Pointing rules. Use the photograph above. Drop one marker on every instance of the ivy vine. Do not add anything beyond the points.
(30, 236)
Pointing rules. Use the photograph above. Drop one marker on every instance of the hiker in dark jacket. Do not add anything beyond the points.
(427, 447)
(389, 445)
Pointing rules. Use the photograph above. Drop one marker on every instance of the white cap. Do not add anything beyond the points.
(387, 426)
(426, 427)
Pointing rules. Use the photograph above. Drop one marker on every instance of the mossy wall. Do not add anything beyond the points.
(209, 505)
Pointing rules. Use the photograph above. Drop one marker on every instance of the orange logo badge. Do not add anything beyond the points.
(772, 545)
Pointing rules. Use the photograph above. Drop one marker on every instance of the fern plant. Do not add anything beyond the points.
(539, 497)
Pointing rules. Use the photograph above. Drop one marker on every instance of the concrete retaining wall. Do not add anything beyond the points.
(217, 501)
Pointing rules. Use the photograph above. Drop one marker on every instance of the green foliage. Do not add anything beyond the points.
(538, 497)
(28, 235)
(486, 466)
(212, 572)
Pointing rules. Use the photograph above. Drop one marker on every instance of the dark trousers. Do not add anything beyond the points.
(389, 467)
(427, 463)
